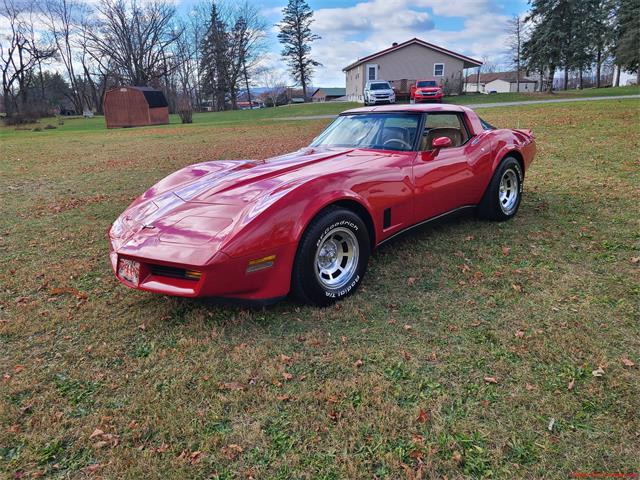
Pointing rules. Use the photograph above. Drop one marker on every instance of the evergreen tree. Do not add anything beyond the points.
(581, 55)
(544, 51)
(296, 37)
(627, 36)
(214, 63)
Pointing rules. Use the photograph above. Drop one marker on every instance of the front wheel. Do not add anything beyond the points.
(502, 198)
(332, 257)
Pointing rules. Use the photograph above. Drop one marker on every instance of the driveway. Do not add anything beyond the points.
(494, 105)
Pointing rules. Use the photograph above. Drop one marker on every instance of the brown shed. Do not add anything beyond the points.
(134, 107)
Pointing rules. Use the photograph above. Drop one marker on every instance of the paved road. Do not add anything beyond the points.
(492, 105)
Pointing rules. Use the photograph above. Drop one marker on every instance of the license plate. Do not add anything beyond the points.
(129, 270)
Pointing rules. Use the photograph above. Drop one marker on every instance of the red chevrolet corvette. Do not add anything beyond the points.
(306, 222)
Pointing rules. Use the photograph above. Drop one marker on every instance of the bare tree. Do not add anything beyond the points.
(20, 53)
(63, 20)
(275, 84)
(252, 36)
(135, 39)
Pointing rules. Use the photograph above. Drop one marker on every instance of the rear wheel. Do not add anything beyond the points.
(502, 198)
(332, 257)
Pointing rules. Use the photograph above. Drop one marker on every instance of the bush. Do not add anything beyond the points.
(186, 115)
(185, 110)
(20, 119)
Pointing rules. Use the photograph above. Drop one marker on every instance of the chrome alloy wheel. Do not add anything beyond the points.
(509, 191)
(336, 258)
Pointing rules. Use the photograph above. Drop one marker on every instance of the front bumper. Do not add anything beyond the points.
(223, 276)
(386, 99)
(428, 98)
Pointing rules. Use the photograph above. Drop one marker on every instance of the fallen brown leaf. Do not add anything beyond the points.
(285, 359)
(423, 416)
(411, 281)
(506, 251)
(162, 448)
(626, 362)
(232, 451)
(287, 376)
(571, 384)
(72, 291)
(358, 363)
(491, 379)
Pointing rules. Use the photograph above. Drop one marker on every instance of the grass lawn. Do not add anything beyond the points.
(75, 124)
(468, 351)
(471, 98)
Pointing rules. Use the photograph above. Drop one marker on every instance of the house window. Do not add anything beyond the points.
(438, 69)
(372, 72)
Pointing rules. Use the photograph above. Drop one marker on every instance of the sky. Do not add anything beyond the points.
(352, 29)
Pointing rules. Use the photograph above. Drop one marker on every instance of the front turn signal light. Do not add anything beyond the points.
(261, 263)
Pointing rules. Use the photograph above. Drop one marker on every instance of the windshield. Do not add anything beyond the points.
(383, 131)
(380, 86)
(426, 83)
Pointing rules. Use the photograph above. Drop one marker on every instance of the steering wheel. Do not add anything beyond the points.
(397, 140)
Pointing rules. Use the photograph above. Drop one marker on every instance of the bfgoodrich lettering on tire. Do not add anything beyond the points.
(332, 257)
(502, 198)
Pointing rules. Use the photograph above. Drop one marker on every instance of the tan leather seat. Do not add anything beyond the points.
(452, 133)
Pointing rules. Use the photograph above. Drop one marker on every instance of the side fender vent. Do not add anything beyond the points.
(386, 219)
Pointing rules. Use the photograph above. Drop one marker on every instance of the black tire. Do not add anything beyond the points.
(307, 284)
(492, 206)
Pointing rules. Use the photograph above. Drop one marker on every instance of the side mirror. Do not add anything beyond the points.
(441, 142)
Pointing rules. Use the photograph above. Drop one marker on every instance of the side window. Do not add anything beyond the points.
(450, 125)
(372, 72)
(438, 69)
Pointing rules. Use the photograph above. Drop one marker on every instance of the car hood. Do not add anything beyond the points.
(386, 91)
(427, 89)
(201, 205)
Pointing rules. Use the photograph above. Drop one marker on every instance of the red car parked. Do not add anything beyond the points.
(307, 222)
(426, 91)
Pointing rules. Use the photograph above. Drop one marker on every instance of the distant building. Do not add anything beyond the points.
(328, 94)
(499, 82)
(246, 105)
(135, 106)
(404, 63)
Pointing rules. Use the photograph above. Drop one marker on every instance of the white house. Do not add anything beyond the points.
(499, 82)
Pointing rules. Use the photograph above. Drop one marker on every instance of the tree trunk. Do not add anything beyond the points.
(246, 84)
(478, 81)
(566, 78)
(552, 73)
(580, 79)
(617, 80)
(598, 67)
